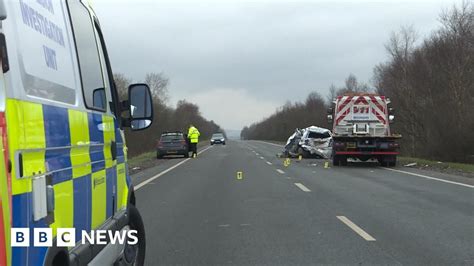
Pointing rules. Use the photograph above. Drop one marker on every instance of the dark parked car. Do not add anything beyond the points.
(172, 143)
(218, 138)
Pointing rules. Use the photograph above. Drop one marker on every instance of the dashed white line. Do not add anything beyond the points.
(302, 187)
(224, 225)
(280, 171)
(269, 163)
(137, 187)
(429, 177)
(356, 228)
(262, 158)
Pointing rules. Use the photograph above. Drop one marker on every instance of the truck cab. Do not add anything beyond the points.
(361, 129)
(64, 156)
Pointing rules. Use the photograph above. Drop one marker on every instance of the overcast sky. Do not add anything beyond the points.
(239, 60)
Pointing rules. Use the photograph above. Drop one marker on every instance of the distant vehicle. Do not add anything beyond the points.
(218, 138)
(361, 129)
(172, 143)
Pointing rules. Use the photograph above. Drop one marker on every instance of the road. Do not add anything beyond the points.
(199, 213)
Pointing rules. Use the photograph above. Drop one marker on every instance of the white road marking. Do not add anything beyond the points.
(224, 225)
(280, 171)
(269, 163)
(302, 187)
(137, 187)
(356, 228)
(262, 158)
(429, 177)
(244, 224)
(288, 177)
(257, 154)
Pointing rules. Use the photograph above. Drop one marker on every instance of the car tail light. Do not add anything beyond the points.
(393, 145)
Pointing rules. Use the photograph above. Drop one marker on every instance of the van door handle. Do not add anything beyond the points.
(113, 150)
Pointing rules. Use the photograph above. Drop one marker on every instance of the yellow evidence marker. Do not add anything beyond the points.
(194, 155)
(300, 157)
(287, 162)
(239, 175)
(326, 164)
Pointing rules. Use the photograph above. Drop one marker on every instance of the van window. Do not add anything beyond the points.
(43, 65)
(88, 56)
(107, 80)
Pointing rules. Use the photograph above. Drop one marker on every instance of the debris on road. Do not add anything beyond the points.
(410, 164)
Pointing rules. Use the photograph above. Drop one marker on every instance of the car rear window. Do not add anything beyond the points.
(217, 136)
(172, 137)
(316, 135)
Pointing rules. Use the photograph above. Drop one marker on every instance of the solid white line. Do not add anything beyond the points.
(278, 145)
(280, 171)
(429, 177)
(356, 228)
(269, 163)
(137, 187)
(302, 187)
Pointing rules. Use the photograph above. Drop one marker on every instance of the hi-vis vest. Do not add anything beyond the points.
(193, 135)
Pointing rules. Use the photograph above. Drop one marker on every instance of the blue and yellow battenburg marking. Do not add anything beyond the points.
(75, 149)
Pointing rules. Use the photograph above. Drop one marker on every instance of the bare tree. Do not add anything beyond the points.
(158, 83)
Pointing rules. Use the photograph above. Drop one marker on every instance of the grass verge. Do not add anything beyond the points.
(139, 159)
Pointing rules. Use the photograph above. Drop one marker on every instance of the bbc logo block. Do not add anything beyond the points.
(66, 237)
(43, 237)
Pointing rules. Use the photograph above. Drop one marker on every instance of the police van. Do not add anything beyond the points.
(64, 159)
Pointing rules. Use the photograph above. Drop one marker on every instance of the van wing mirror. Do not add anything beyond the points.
(140, 105)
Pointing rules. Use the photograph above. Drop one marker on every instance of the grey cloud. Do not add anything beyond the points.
(273, 51)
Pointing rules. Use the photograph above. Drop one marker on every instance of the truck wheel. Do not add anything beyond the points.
(388, 161)
(135, 254)
(343, 160)
(392, 161)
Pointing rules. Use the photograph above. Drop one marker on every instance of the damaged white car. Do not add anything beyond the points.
(312, 141)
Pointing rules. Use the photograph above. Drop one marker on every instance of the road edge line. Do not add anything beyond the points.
(429, 177)
(137, 187)
(274, 144)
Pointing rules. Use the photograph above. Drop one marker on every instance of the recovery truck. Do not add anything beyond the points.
(361, 129)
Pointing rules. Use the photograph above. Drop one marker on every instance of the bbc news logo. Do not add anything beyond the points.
(66, 237)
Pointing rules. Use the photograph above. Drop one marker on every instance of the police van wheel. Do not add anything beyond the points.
(135, 254)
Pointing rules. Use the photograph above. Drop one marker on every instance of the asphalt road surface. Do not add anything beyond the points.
(197, 212)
